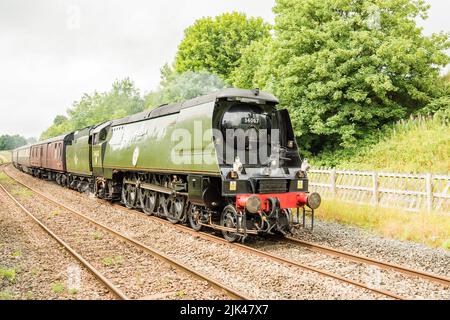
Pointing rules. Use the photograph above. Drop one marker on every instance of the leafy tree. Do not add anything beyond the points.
(215, 44)
(31, 140)
(176, 87)
(57, 128)
(252, 65)
(446, 78)
(59, 119)
(122, 100)
(345, 67)
(8, 142)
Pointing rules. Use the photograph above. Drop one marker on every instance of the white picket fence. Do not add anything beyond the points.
(412, 192)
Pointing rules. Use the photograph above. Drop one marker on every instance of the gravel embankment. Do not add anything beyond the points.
(137, 274)
(258, 277)
(405, 286)
(36, 266)
(357, 240)
(250, 274)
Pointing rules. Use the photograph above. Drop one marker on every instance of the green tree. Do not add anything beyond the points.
(175, 87)
(344, 67)
(59, 119)
(58, 127)
(31, 140)
(122, 100)
(215, 44)
(252, 64)
(8, 142)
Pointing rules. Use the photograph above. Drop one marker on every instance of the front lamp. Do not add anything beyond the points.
(253, 204)
(313, 200)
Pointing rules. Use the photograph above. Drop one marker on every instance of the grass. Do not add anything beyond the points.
(22, 192)
(8, 274)
(431, 229)
(29, 295)
(54, 213)
(6, 295)
(16, 253)
(97, 235)
(73, 291)
(58, 287)
(110, 261)
(180, 294)
(5, 179)
(416, 145)
(5, 156)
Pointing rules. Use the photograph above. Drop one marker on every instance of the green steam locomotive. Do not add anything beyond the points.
(228, 160)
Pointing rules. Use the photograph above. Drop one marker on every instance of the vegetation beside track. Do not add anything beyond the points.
(5, 156)
(415, 145)
(431, 229)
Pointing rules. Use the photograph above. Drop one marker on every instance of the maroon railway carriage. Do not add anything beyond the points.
(49, 157)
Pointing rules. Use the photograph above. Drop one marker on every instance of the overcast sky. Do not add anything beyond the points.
(53, 51)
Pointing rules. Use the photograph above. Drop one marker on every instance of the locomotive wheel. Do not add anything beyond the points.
(194, 217)
(148, 200)
(229, 219)
(163, 204)
(175, 210)
(129, 196)
(83, 187)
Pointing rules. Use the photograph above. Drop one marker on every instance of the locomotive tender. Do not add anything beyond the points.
(227, 160)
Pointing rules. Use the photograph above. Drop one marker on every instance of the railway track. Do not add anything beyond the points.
(313, 247)
(276, 258)
(241, 247)
(441, 280)
(231, 293)
(96, 273)
(362, 259)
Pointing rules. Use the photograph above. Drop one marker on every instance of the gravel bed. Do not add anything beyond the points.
(137, 274)
(405, 286)
(260, 278)
(42, 268)
(356, 240)
(335, 235)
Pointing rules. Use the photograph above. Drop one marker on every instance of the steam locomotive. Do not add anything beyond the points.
(228, 160)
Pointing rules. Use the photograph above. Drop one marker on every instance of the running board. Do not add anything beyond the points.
(155, 187)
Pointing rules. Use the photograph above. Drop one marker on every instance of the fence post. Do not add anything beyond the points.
(429, 190)
(333, 182)
(375, 188)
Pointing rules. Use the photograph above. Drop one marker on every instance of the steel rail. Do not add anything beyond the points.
(223, 241)
(155, 253)
(362, 259)
(97, 274)
(270, 256)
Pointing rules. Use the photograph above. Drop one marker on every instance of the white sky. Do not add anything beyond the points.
(53, 51)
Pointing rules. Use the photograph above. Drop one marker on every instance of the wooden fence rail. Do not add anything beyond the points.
(412, 192)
